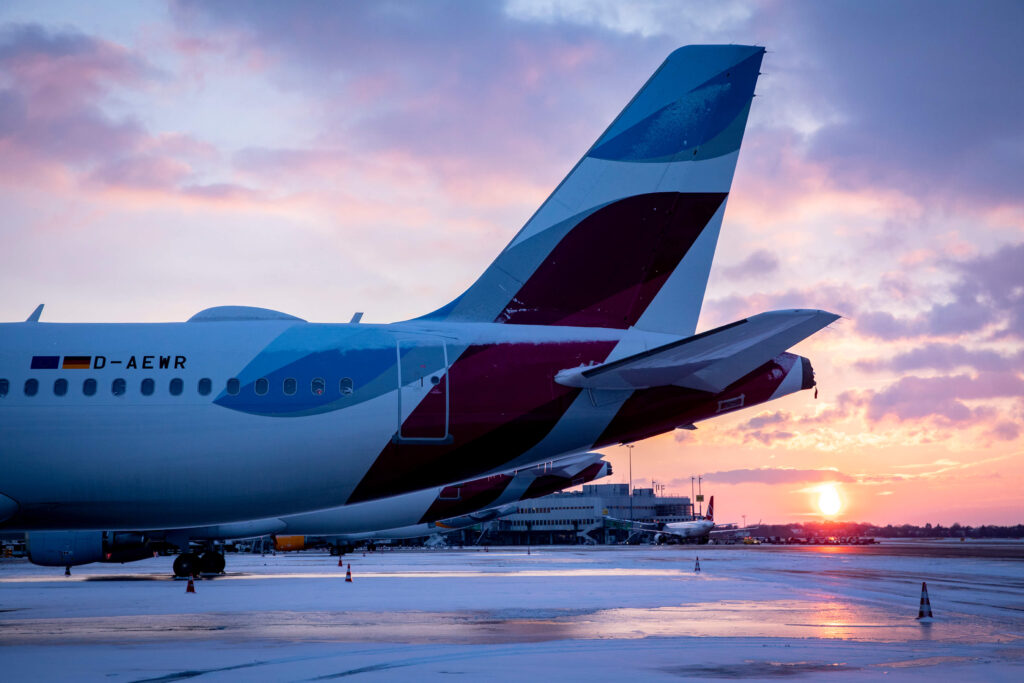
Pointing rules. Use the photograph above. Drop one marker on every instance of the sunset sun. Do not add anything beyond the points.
(828, 500)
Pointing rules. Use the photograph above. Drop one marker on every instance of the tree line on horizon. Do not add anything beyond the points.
(845, 529)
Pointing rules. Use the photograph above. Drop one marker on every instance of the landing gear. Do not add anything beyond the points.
(211, 563)
(186, 564)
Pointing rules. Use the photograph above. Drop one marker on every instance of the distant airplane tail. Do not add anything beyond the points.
(628, 237)
(711, 510)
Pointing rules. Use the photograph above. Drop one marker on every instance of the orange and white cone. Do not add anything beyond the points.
(348, 574)
(924, 612)
(191, 587)
(696, 566)
(340, 563)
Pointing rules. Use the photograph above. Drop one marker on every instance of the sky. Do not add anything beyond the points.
(323, 158)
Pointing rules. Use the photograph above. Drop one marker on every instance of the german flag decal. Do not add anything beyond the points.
(76, 362)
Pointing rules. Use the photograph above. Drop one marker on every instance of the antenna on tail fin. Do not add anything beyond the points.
(628, 237)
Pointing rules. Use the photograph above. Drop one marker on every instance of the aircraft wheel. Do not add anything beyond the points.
(186, 564)
(212, 562)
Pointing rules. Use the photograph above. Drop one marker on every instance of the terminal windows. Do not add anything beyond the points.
(31, 387)
(148, 385)
(317, 386)
(118, 387)
(177, 385)
(233, 386)
(262, 386)
(205, 386)
(5, 387)
(346, 386)
(89, 387)
(290, 385)
(60, 387)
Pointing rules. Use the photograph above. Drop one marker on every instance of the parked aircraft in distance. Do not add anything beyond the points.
(579, 335)
(410, 515)
(698, 530)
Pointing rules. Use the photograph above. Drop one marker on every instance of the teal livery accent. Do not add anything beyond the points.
(713, 114)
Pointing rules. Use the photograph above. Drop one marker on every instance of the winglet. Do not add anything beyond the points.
(34, 318)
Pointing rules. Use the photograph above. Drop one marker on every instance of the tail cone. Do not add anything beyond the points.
(924, 612)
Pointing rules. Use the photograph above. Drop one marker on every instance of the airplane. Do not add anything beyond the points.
(580, 335)
(699, 530)
(421, 513)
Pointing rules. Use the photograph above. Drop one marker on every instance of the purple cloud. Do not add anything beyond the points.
(1005, 431)
(764, 420)
(49, 105)
(916, 114)
(913, 398)
(767, 438)
(941, 356)
(760, 263)
(406, 77)
(988, 293)
(775, 475)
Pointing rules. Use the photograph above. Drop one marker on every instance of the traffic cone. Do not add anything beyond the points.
(696, 567)
(191, 587)
(340, 563)
(925, 610)
(348, 574)
(67, 570)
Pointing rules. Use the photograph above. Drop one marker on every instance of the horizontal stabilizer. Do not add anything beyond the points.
(709, 361)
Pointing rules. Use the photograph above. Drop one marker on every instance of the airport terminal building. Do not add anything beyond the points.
(580, 517)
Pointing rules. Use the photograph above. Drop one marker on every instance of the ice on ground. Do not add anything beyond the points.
(600, 613)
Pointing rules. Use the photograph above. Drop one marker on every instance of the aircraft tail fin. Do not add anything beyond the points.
(711, 510)
(628, 237)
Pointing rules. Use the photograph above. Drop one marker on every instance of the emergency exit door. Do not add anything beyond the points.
(423, 391)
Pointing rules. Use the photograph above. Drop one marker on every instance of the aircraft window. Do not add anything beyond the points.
(118, 387)
(317, 386)
(60, 387)
(290, 385)
(5, 386)
(177, 385)
(262, 386)
(148, 385)
(205, 386)
(233, 386)
(89, 387)
(346, 386)
(31, 387)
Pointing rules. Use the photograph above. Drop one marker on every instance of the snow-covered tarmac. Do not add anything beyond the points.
(572, 613)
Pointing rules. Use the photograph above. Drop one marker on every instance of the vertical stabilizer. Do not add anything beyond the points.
(628, 237)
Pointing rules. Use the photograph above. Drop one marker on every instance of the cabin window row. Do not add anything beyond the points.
(119, 387)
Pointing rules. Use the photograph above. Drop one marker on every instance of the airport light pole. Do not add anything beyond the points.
(629, 486)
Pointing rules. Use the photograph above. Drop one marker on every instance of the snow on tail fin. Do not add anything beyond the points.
(628, 237)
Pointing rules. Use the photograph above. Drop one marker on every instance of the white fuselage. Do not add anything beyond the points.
(164, 461)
